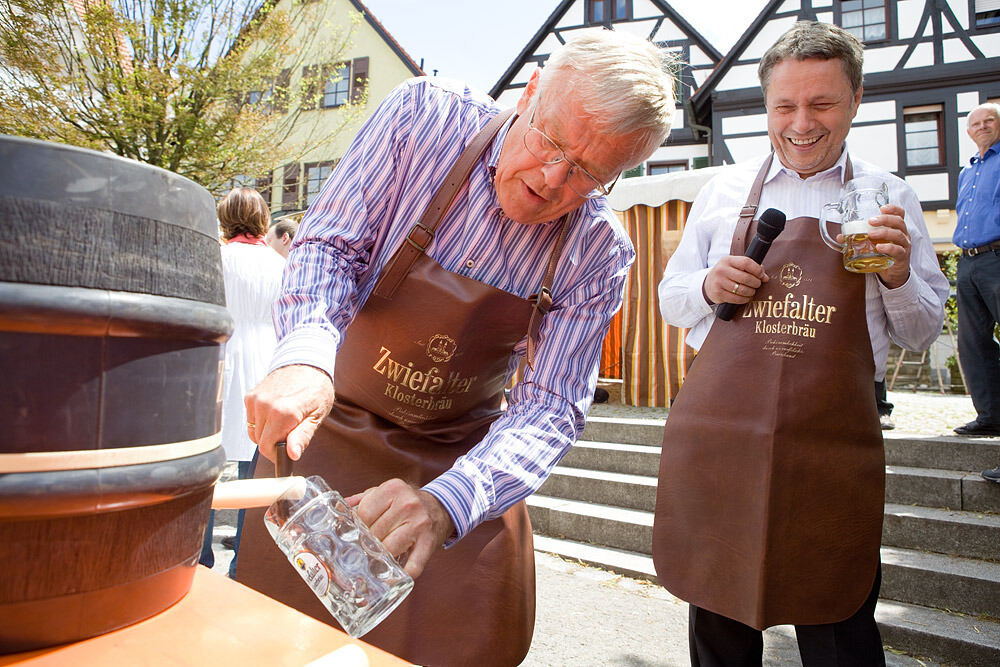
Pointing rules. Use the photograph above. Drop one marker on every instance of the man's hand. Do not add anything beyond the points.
(734, 279)
(288, 405)
(410, 522)
(891, 238)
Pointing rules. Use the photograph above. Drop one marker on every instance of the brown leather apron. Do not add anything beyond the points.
(418, 382)
(772, 474)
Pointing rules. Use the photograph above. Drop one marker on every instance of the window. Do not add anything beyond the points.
(606, 11)
(290, 187)
(263, 186)
(316, 175)
(337, 88)
(987, 13)
(655, 168)
(865, 19)
(922, 127)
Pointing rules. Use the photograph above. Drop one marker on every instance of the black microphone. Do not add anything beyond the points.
(771, 222)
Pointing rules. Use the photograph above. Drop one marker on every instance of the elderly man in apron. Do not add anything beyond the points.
(771, 488)
(452, 241)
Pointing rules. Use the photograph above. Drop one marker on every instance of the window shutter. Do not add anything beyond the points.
(279, 94)
(310, 86)
(699, 162)
(290, 187)
(359, 78)
(987, 5)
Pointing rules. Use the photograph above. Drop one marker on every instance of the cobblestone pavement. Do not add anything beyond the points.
(587, 616)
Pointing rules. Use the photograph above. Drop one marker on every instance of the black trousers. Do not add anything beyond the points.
(717, 641)
(978, 296)
(881, 400)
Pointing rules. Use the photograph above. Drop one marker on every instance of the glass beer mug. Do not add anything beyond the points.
(347, 567)
(860, 200)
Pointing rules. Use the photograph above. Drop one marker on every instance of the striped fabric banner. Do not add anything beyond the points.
(611, 350)
(654, 357)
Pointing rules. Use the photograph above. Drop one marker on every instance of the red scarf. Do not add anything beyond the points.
(249, 240)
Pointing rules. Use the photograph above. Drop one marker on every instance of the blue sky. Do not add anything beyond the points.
(476, 40)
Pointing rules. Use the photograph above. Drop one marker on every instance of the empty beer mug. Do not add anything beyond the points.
(861, 199)
(347, 567)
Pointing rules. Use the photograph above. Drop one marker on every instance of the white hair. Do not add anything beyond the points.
(621, 81)
(992, 107)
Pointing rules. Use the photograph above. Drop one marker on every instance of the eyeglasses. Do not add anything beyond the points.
(579, 180)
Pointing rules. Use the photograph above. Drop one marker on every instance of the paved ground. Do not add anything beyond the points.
(587, 616)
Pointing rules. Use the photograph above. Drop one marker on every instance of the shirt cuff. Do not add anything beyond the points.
(457, 493)
(903, 298)
(310, 347)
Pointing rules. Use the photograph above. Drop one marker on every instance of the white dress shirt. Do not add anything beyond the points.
(910, 315)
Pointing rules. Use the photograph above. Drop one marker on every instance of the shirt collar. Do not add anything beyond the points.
(995, 149)
(839, 167)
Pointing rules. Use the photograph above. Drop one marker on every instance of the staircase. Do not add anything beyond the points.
(940, 596)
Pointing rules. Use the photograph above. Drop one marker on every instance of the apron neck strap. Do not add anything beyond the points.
(422, 233)
(749, 210)
(543, 300)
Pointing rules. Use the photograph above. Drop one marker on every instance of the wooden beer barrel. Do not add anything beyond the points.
(112, 320)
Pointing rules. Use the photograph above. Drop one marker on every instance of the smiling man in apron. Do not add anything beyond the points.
(771, 488)
(452, 241)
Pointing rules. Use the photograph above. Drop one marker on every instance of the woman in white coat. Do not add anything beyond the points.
(252, 273)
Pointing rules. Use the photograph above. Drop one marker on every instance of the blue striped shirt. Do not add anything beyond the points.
(377, 192)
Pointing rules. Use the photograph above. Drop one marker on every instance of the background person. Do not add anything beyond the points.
(281, 234)
(252, 275)
(427, 340)
(771, 489)
(978, 286)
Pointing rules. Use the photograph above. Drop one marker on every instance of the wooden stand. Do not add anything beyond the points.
(219, 622)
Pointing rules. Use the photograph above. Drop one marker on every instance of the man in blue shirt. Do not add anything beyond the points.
(978, 236)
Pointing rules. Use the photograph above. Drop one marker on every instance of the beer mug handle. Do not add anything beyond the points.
(823, 231)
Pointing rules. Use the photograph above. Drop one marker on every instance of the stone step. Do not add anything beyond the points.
(614, 457)
(966, 534)
(963, 585)
(901, 449)
(954, 639)
(605, 488)
(951, 489)
(941, 452)
(629, 431)
(615, 527)
(963, 534)
(587, 479)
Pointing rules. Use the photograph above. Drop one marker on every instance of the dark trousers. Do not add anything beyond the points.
(881, 403)
(717, 641)
(244, 470)
(978, 293)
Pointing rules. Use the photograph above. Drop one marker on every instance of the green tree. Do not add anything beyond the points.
(200, 87)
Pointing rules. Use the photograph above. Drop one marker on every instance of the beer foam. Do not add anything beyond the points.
(855, 227)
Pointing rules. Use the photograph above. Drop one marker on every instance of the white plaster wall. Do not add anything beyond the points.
(988, 44)
(884, 59)
(965, 102)
(748, 147)
(698, 57)
(869, 111)
(644, 8)
(961, 10)
(966, 146)
(908, 17)
(744, 124)
(523, 74)
(548, 45)
(638, 28)
(573, 15)
(922, 56)
(955, 51)
(509, 98)
(676, 153)
(740, 76)
(929, 186)
(679, 119)
(875, 144)
(790, 6)
(667, 31)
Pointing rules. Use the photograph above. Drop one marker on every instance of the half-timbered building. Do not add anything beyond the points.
(694, 58)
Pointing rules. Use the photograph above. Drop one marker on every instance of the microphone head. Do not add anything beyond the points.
(770, 224)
